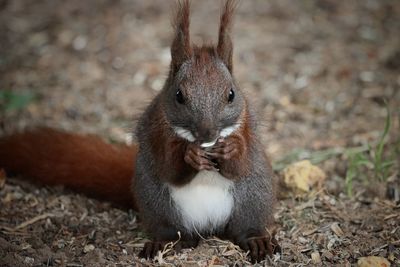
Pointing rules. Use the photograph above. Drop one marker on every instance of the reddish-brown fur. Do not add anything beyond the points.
(241, 139)
(84, 163)
(181, 48)
(225, 46)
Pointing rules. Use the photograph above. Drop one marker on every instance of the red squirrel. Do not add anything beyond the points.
(198, 168)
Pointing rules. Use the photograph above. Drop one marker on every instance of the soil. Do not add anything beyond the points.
(319, 72)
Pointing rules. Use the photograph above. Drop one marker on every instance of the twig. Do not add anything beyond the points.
(28, 222)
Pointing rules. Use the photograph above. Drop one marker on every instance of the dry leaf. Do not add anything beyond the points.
(303, 176)
(373, 261)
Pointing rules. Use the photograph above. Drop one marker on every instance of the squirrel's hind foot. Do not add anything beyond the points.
(259, 247)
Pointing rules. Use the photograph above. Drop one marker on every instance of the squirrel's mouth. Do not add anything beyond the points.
(188, 135)
(209, 144)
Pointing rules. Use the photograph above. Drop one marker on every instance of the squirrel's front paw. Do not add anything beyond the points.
(226, 148)
(260, 246)
(196, 157)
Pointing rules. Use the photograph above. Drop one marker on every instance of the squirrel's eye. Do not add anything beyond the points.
(231, 96)
(179, 97)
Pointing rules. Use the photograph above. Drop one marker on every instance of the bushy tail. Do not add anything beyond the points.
(83, 163)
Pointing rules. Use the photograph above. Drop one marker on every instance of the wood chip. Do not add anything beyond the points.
(336, 229)
(316, 258)
(307, 249)
(310, 232)
(394, 215)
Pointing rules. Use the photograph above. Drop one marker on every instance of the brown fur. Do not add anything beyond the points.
(168, 151)
(181, 48)
(84, 163)
(225, 46)
(243, 138)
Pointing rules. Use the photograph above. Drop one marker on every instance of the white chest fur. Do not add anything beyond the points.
(205, 203)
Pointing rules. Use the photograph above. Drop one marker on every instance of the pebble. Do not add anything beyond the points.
(79, 42)
(157, 84)
(367, 76)
(88, 248)
(29, 260)
(139, 78)
(118, 63)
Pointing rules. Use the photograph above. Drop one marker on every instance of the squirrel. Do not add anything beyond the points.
(198, 168)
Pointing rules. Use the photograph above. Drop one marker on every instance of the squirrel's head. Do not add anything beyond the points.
(202, 100)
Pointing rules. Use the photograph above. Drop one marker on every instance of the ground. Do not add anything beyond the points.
(321, 74)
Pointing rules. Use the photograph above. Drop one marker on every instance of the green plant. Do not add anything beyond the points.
(372, 163)
(356, 161)
(365, 162)
(10, 100)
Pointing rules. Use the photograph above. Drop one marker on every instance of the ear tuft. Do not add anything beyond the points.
(181, 49)
(225, 46)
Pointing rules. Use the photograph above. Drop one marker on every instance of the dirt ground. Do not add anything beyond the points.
(318, 71)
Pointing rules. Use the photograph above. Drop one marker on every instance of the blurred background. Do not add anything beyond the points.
(317, 70)
(324, 76)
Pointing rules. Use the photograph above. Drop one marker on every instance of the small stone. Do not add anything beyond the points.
(29, 260)
(367, 76)
(118, 63)
(165, 56)
(88, 248)
(157, 84)
(60, 243)
(301, 82)
(79, 42)
(139, 78)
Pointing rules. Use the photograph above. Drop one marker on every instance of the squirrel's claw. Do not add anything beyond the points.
(260, 247)
(198, 159)
(151, 249)
(225, 149)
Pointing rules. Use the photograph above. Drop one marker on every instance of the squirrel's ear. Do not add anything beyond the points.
(225, 46)
(181, 49)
